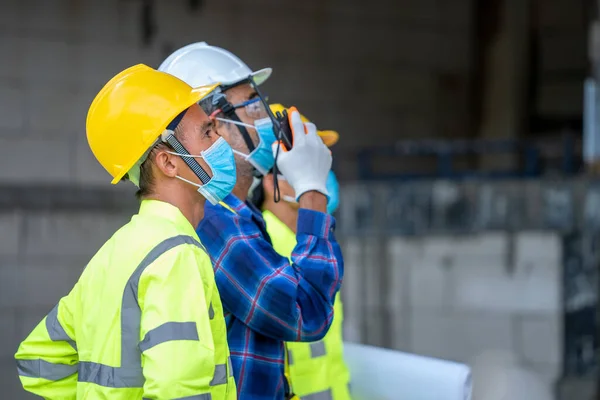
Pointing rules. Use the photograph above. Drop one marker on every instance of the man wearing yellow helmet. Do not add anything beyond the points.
(145, 319)
(315, 370)
(268, 298)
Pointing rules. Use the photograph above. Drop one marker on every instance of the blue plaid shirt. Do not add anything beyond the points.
(266, 299)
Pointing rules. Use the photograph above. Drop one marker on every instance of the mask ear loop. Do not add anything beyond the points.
(229, 111)
(230, 121)
(191, 162)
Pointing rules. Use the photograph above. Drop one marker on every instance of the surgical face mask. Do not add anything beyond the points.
(333, 189)
(221, 162)
(261, 157)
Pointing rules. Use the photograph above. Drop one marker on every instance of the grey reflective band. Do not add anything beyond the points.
(205, 396)
(220, 375)
(317, 349)
(211, 311)
(130, 374)
(290, 358)
(114, 377)
(169, 331)
(324, 395)
(55, 330)
(45, 370)
(229, 366)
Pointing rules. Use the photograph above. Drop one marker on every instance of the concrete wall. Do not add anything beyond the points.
(462, 298)
(42, 254)
(375, 71)
(562, 27)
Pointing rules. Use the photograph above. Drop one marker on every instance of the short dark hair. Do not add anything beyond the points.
(146, 184)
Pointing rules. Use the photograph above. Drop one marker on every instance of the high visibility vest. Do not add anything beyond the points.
(144, 320)
(316, 370)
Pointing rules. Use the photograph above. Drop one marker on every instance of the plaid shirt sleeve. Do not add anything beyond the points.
(276, 298)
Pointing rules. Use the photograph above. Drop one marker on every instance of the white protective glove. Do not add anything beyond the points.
(307, 164)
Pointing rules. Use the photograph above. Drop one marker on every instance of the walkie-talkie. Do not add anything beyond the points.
(285, 130)
(283, 133)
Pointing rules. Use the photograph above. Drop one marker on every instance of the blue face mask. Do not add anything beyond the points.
(221, 162)
(333, 189)
(261, 157)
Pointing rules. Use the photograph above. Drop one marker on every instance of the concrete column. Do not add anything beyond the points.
(505, 83)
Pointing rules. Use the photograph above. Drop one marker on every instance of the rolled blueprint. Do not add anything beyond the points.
(382, 374)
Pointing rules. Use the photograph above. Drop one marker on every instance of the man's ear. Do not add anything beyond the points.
(166, 163)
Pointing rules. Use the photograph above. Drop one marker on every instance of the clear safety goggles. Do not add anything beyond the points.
(254, 108)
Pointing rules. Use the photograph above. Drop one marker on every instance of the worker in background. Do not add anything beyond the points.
(267, 298)
(316, 370)
(144, 319)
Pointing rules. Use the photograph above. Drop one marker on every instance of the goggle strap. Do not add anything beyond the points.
(245, 135)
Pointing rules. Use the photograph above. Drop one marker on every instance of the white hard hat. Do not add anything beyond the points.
(200, 64)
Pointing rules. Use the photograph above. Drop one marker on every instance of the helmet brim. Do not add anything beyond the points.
(329, 137)
(261, 75)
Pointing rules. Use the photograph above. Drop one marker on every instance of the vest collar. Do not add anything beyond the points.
(160, 209)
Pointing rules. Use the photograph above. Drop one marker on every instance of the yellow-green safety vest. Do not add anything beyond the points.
(317, 370)
(144, 320)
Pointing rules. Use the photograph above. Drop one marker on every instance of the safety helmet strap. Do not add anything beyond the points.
(191, 162)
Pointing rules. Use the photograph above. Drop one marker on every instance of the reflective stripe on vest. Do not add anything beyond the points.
(324, 395)
(167, 332)
(55, 329)
(205, 396)
(211, 311)
(317, 349)
(130, 374)
(43, 369)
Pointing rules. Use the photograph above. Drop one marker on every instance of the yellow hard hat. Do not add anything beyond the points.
(329, 137)
(131, 111)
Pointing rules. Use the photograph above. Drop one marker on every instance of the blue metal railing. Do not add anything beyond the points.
(532, 162)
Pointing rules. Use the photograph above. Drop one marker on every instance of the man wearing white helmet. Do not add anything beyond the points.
(266, 298)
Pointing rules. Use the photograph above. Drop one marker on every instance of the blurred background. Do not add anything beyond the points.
(470, 212)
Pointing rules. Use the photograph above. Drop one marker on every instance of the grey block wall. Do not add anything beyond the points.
(375, 72)
(459, 298)
(42, 254)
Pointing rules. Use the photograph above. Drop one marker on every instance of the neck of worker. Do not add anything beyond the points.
(283, 211)
(189, 202)
(242, 186)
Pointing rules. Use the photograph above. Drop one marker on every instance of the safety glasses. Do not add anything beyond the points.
(254, 108)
